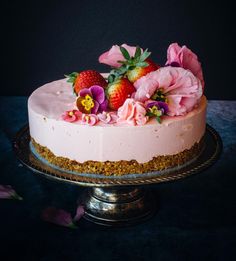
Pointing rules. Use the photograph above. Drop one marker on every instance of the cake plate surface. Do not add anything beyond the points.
(117, 200)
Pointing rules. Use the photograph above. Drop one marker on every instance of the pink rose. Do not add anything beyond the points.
(114, 55)
(175, 85)
(184, 57)
(132, 112)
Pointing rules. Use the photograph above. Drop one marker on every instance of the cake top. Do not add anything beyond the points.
(136, 89)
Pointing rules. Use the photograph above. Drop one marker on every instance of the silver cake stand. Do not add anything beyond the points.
(117, 201)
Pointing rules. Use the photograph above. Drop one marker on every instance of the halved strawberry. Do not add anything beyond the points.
(117, 92)
(86, 79)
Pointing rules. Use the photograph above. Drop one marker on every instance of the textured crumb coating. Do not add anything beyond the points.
(122, 167)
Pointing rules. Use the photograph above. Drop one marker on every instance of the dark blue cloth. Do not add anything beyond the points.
(196, 218)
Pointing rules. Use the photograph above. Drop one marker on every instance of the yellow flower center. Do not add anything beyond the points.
(87, 102)
(87, 118)
(71, 113)
(154, 110)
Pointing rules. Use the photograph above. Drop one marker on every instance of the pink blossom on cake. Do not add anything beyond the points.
(184, 57)
(92, 100)
(178, 87)
(72, 116)
(89, 119)
(114, 55)
(107, 117)
(132, 112)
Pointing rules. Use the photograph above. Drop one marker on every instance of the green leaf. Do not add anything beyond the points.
(125, 53)
(111, 78)
(144, 55)
(142, 64)
(137, 52)
(158, 118)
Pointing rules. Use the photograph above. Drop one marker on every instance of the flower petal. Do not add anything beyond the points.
(103, 106)
(84, 92)
(98, 93)
(58, 217)
(7, 192)
(79, 213)
(94, 110)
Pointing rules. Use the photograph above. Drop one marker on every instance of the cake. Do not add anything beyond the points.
(140, 117)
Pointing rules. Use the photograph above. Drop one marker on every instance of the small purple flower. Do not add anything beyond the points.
(58, 217)
(160, 106)
(79, 213)
(7, 192)
(92, 100)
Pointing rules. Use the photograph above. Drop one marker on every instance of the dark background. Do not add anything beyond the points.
(43, 40)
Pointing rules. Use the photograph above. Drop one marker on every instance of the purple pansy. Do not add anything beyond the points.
(7, 192)
(92, 100)
(162, 106)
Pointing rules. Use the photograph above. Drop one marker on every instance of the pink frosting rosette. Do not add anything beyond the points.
(179, 87)
(184, 57)
(114, 55)
(132, 112)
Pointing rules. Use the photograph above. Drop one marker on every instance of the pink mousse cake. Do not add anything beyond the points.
(140, 117)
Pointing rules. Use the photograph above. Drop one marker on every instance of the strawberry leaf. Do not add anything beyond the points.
(125, 53)
(144, 55)
(142, 64)
(137, 52)
(111, 78)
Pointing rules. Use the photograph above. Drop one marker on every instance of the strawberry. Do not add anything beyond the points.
(118, 91)
(133, 67)
(136, 73)
(85, 79)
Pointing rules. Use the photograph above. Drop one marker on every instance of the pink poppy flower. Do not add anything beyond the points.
(107, 117)
(89, 119)
(7, 192)
(184, 57)
(114, 55)
(132, 112)
(178, 87)
(71, 116)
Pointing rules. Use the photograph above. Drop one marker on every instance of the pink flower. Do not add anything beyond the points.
(174, 85)
(7, 192)
(132, 112)
(184, 57)
(107, 117)
(114, 55)
(71, 116)
(58, 217)
(89, 119)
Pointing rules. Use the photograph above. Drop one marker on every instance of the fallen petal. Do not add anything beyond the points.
(58, 216)
(7, 192)
(79, 213)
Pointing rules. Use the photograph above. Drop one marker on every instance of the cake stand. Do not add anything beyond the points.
(117, 201)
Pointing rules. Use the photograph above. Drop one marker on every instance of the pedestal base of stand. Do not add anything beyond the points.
(118, 206)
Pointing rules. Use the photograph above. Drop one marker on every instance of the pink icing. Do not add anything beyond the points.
(89, 119)
(185, 58)
(107, 117)
(181, 88)
(132, 112)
